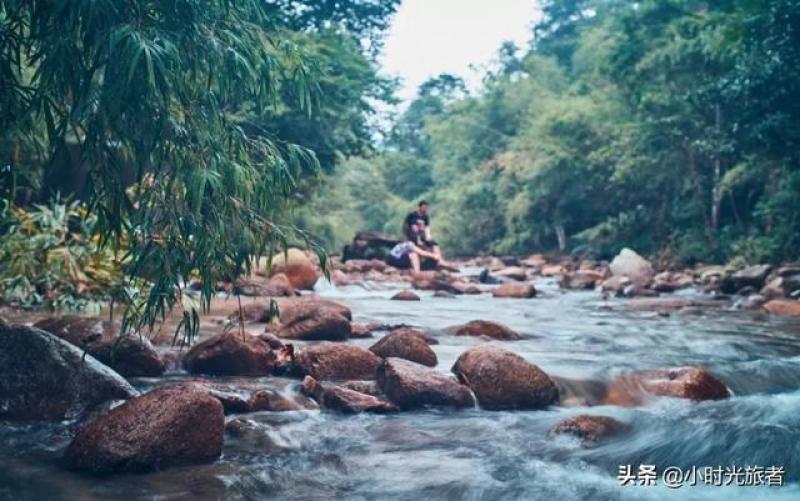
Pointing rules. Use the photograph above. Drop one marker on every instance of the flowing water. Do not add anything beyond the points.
(577, 337)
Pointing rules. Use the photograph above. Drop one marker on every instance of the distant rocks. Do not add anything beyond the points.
(314, 320)
(484, 328)
(405, 295)
(410, 386)
(633, 266)
(46, 378)
(520, 290)
(501, 379)
(692, 383)
(786, 307)
(171, 426)
(297, 267)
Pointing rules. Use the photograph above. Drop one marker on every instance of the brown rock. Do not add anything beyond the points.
(130, 355)
(43, 377)
(693, 383)
(484, 328)
(270, 400)
(581, 279)
(315, 320)
(360, 331)
(167, 427)
(534, 261)
(407, 344)
(297, 267)
(615, 284)
(514, 273)
(590, 429)
(444, 294)
(343, 399)
(231, 354)
(630, 264)
(514, 290)
(405, 295)
(786, 307)
(337, 361)
(552, 270)
(503, 380)
(411, 385)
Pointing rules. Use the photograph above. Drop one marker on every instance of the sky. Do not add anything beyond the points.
(429, 37)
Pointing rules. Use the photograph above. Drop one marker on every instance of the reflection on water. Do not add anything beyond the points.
(577, 337)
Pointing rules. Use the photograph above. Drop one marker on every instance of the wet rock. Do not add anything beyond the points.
(46, 378)
(270, 400)
(444, 294)
(751, 302)
(672, 304)
(462, 287)
(636, 290)
(515, 290)
(615, 285)
(552, 270)
(343, 399)
(129, 355)
(231, 354)
(171, 426)
(484, 328)
(517, 273)
(411, 386)
(501, 379)
(693, 383)
(368, 387)
(752, 276)
(405, 295)
(407, 344)
(314, 320)
(581, 280)
(337, 361)
(630, 264)
(297, 267)
(781, 286)
(256, 286)
(787, 307)
(434, 281)
(360, 331)
(486, 277)
(363, 266)
(590, 429)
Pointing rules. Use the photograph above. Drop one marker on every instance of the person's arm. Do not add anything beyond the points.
(428, 232)
(425, 253)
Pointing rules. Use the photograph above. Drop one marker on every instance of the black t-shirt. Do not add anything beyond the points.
(412, 217)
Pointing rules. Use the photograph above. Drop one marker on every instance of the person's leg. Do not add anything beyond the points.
(414, 258)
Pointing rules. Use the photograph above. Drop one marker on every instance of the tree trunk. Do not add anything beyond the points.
(561, 234)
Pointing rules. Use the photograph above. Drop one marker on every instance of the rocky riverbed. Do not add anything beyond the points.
(514, 379)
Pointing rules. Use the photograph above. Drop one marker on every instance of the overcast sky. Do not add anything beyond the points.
(429, 37)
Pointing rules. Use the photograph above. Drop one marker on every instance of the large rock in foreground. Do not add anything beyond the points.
(297, 267)
(630, 264)
(336, 361)
(504, 380)
(693, 383)
(407, 344)
(411, 386)
(171, 426)
(515, 290)
(43, 377)
(231, 354)
(130, 355)
(484, 328)
(314, 320)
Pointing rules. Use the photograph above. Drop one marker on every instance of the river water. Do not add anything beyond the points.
(577, 337)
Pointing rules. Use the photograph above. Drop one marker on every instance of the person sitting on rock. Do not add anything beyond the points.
(407, 255)
(422, 221)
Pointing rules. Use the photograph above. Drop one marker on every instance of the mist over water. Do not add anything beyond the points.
(578, 338)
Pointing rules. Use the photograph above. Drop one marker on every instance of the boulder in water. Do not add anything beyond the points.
(411, 386)
(515, 290)
(407, 344)
(590, 429)
(752, 276)
(693, 383)
(130, 355)
(581, 280)
(344, 399)
(231, 353)
(501, 379)
(630, 264)
(484, 328)
(46, 378)
(787, 307)
(517, 273)
(314, 320)
(337, 361)
(170, 426)
(405, 295)
(297, 267)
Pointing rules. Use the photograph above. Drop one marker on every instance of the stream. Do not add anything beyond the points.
(577, 337)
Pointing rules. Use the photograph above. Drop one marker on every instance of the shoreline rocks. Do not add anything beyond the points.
(520, 290)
